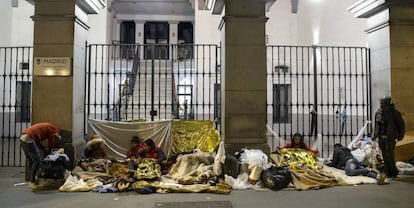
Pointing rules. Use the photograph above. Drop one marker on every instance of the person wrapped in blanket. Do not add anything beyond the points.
(297, 141)
(155, 153)
(150, 150)
(95, 148)
(95, 155)
(343, 159)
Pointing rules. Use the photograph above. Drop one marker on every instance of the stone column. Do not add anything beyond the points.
(139, 31)
(173, 29)
(391, 40)
(61, 30)
(243, 83)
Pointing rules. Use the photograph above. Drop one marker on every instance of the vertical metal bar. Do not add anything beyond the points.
(297, 87)
(166, 82)
(333, 99)
(271, 100)
(111, 74)
(339, 94)
(321, 97)
(3, 106)
(193, 92)
(10, 105)
(289, 107)
(193, 107)
(351, 104)
(15, 105)
(303, 86)
(216, 106)
(152, 82)
(209, 82)
(86, 90)
(157, 87)
(315, 85)
(356, 104)
(309, 87)
(369, 86)
(203, 80)
(278, 98)
(197, 74)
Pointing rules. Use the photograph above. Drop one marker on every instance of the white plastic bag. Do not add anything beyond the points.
(359, 154)
(255, 157)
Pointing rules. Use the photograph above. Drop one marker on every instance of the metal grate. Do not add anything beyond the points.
(207, 204)
(15, 101)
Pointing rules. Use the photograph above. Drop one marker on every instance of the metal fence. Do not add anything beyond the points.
(311, 89)
(127, 82)
(317, 90)
(15, 101)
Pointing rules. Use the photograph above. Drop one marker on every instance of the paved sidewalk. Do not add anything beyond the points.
(394, 195)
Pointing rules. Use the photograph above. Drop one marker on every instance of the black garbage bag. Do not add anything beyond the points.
(276, 177)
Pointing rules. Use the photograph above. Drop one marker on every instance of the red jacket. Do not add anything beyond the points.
(134, 152)
(156, 154)
(42, 131)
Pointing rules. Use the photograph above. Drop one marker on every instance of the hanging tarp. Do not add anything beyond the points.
(117, 135)
(190, 135)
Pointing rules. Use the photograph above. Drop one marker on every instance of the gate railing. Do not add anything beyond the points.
(311, 89)
(148, 84)
(15, 101)
(333, 81)
(318, 90)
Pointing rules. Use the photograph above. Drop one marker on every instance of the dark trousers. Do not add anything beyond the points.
(387, 148)
(314, 125)
(353, 168)
(33, 155)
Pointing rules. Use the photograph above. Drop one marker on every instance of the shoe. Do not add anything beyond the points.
(381, 179)
(33, 185)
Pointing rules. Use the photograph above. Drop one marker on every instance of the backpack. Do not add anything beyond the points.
(52, 169)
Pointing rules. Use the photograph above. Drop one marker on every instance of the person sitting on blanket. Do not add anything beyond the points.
(151, 151)
(95, 148)
(343, 159)
(137, 146)
(297, 141)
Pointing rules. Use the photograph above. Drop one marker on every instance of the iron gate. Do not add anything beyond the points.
(317, 90)
(131, 82)
(15, 101)
(128, 82)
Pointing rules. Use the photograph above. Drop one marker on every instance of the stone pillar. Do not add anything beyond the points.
(61, 30)
(139, 31)
(391, 40)
(173, 32)
(243, 83)
(173, 29)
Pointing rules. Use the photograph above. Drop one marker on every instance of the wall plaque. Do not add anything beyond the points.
(52, 66)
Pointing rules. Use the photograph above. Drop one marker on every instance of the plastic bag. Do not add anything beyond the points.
(276, 177)
(254, 157)
(359, 154)
(405, 168)
(239, 183)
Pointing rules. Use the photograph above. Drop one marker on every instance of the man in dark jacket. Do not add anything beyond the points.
(389, 128)
(343, 159)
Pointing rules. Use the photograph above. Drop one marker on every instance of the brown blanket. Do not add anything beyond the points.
(306, 179)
